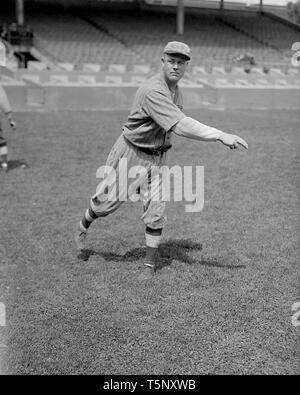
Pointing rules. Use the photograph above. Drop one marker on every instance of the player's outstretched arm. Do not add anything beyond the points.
(190, 128)
(232, 141)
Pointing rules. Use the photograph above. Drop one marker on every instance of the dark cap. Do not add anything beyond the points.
(176, 47)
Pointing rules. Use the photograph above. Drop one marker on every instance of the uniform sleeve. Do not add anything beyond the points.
(4, 103)
(159, 107)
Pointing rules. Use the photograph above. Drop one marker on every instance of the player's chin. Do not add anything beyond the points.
(174, 77)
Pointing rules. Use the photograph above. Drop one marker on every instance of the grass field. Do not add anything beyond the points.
(222, 301)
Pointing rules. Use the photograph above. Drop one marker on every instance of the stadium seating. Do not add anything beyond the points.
(270, 32)
(97, 41)
(66, 66)
(215, 41)
(66, 38)
(95, 68)
(33, 65)
(238, 71)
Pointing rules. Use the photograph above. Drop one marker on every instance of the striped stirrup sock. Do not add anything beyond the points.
(88, 218)
(153, 239)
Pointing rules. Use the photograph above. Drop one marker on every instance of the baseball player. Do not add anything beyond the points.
(155, 115)
(4, 109)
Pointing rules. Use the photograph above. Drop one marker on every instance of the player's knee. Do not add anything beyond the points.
(103, 207)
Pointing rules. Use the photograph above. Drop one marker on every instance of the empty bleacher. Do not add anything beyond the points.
(69, 39)
(118, 40)
(272, 33)
(213, 41)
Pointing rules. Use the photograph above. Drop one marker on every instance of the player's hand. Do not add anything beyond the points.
(13, 124)
(232, 141)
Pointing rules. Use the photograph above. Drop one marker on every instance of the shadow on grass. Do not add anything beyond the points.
(170, 250)
(15, 164)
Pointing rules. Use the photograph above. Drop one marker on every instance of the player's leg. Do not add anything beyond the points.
(114, 189)
(3, 150)
(84, 224)
(105, 200)
(154, 218)
(3, 157)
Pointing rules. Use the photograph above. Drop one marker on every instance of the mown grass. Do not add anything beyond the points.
(220, 303)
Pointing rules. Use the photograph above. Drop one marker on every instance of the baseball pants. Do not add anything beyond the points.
(3, 142)
(115, 188)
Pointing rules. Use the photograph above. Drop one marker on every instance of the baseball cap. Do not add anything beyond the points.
(177, 47)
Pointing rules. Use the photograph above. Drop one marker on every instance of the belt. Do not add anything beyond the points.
(154, 151)
(149, 151)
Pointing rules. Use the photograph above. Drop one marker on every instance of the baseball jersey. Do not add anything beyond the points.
(154, 112)
(4, 103)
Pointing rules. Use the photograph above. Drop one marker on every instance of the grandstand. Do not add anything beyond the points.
(104, 37)
(70, 39)
(63, 37)
(270, 32)
(78, 50)
(213, 41)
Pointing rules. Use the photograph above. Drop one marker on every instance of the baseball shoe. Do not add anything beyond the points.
(147, 273)
(4, 166)
(80, 237)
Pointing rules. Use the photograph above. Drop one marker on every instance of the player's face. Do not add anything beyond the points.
(174, 67)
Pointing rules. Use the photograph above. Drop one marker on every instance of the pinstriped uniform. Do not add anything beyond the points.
(154, 112)
(4, 108)
(3, 142)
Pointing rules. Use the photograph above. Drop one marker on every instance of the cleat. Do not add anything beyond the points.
(84, 255)
(4, 166)
(147, 273)
(80, 237)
